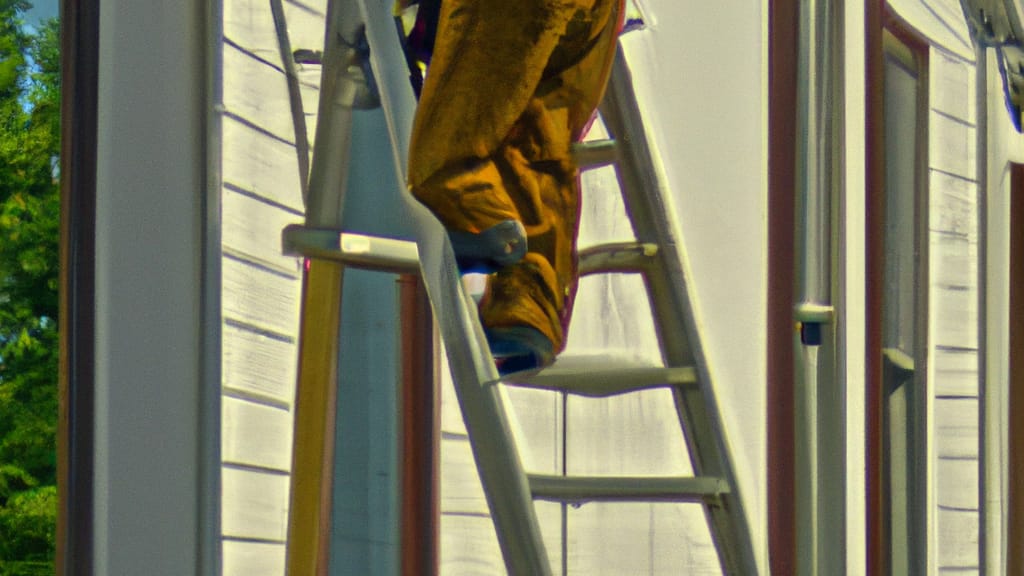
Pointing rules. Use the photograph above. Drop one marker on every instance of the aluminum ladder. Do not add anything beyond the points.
(509, 490)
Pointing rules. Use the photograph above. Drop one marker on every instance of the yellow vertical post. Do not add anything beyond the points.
(309, 518)
(309, 521)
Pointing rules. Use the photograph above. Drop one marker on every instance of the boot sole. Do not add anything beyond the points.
(519, 348)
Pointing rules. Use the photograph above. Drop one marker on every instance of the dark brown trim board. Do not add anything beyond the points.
(782, 74)
(421, 420)
(80, 61)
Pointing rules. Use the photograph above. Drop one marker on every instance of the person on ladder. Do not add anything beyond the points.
(511, 84)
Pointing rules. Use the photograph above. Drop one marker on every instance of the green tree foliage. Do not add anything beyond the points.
(29, 233)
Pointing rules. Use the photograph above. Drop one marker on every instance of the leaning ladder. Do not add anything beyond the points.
(509, 490)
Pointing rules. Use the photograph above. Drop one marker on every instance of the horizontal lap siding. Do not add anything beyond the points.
(953, 254)
(958, 537)
(468, 544)
(253, 559)
(252, 365)
(256, 435)
(258, 164)
(261, 286)
(255, 505)
(261, 244)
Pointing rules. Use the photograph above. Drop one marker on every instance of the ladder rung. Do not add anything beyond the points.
(599, 376)
(595, 154)
(619, 257)
(356, 250)
(577, 489)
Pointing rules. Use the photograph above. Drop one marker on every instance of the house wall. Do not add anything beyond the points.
(261, 194)
(713, 146)
(953, 317)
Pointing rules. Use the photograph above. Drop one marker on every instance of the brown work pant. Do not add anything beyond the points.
(511, 84)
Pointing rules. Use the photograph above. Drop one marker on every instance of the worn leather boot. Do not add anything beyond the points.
(528, 306)
(522, 313)
(525, 310)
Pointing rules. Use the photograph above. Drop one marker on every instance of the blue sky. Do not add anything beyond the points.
(41, 10)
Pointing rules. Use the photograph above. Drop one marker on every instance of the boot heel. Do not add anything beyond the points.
(500, 245)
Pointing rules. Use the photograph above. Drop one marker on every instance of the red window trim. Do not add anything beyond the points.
(421, 420)
(781, 472)
(1015, 528)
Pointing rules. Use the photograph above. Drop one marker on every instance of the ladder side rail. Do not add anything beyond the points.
(504, 481)
(641, 176)
(338, 90)
(642, 186)
(309, 511)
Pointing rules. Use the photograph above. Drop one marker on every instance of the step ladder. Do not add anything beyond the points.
(509, 490)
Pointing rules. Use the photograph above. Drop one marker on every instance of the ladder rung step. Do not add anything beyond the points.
(600, 376)
(618, 257)
(578, 489)
(356, 250)
(595, 153)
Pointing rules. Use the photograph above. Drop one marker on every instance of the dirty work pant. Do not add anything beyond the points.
(511, 84)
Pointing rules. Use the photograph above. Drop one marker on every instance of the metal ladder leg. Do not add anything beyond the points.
(315, 404)
(641, 175)
(323, 239)
(505, 485)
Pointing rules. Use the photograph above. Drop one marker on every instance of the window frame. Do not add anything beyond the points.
(890, 40)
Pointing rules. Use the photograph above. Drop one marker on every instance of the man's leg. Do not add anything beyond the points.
(527, 308)
(511, 85)
(489, 57)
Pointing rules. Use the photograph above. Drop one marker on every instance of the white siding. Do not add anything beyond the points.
(261, 287)
(255, 435)
(953, 315)
(252, 559)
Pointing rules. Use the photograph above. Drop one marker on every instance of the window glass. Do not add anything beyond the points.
(903, 372)
(901, 122)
